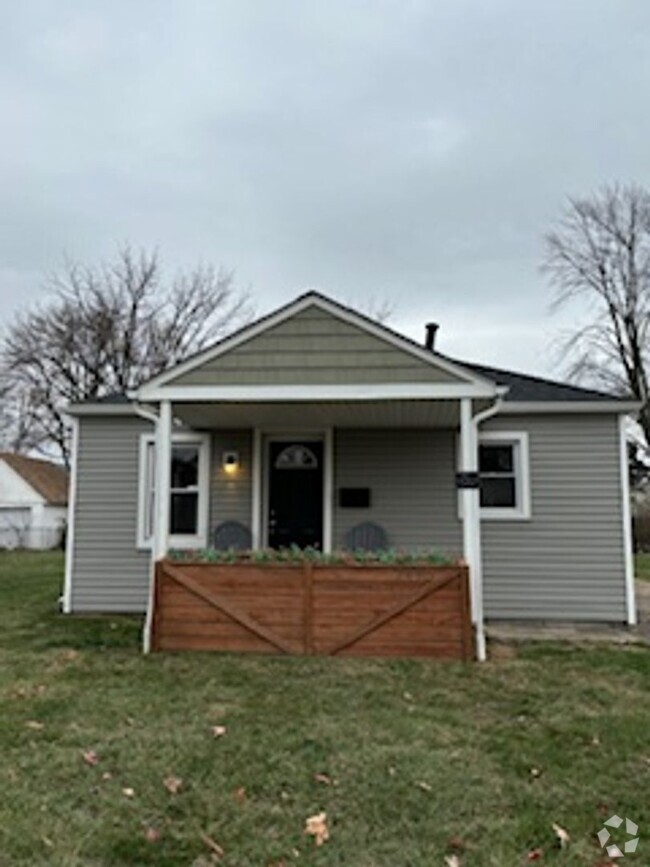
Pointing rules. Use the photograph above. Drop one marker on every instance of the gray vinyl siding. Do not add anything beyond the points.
(314, 347)
(109, 573)
(567, 561)
(230, 496)
(411, 476)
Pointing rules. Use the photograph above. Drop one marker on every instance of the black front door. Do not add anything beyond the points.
(296, 494)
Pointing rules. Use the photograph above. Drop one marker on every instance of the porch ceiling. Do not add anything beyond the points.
(309, 414)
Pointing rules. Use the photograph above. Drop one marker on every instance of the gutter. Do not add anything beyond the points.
(478, 419)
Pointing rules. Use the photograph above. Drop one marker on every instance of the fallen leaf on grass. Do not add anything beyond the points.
(562, 834)
(91, 758)
(452, 861)
(34, 725)
(218, 731)
(128, 792)
(325, 779)
(152, 835)
(316, 826)
(47, 842)
(535, 855)
(173, 784)
(213, 846)
(240, 795)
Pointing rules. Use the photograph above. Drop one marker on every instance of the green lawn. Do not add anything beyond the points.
(418, 761)
(642, 566)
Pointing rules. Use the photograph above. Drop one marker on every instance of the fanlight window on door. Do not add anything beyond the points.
(296, 457)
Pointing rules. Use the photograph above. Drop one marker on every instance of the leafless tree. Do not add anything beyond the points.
(600, 253)
(105, 330)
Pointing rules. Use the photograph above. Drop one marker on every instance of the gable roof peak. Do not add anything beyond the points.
(334, 308)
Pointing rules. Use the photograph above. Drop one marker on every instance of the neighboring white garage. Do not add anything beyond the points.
(33, 502)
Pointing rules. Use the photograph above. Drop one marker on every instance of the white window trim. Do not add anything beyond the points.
(200, 540)
(521, 456)
(523, 511)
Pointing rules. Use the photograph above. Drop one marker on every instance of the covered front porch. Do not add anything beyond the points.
(330, 475)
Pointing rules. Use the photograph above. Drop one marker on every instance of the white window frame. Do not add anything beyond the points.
(521, 466)
(200, 539)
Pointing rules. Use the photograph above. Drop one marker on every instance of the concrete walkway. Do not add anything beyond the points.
(577, 633)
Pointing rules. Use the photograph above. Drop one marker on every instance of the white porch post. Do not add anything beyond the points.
(160, 541)
(471, 520)
(163, 479)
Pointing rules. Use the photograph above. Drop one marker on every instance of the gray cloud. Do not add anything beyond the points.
(414, 151)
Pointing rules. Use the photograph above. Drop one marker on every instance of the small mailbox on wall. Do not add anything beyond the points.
(354, 498)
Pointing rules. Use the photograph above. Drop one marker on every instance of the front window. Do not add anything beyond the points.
(504, 475)
(188, 492)
(184, 515)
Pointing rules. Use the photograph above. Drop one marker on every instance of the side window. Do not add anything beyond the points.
(504, 475)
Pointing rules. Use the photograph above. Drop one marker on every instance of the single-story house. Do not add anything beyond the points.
(33, 502)
(315, 425)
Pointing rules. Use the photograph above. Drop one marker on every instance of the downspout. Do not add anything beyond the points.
(154, 417)
(478, 419)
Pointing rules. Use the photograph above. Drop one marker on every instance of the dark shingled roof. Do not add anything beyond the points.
(109, 398)
(533, 388)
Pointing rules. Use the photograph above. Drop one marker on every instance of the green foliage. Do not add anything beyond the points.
(297, 555)
(642, 567)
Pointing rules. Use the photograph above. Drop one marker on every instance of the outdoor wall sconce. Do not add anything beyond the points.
(230, 462)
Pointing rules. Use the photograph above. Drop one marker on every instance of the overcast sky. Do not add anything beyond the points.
(413, 151)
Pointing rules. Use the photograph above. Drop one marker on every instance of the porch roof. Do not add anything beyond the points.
(321, 414)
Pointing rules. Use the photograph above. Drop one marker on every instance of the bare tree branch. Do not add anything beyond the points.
(105, 330)
(600, 253)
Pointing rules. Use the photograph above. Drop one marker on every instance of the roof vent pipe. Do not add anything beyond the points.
(430, 339)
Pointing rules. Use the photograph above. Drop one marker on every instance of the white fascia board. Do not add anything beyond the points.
(512, 407)
(311, 393)
(340, 312)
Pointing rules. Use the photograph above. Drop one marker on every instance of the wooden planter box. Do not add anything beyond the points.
(356, 610)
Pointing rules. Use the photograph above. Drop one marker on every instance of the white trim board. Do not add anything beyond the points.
(327, 305)
(315, 393)
(630, 590)
(72, 516)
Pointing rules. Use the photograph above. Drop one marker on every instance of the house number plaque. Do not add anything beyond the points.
(467, 480)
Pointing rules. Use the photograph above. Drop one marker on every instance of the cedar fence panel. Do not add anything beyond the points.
(355, 610)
